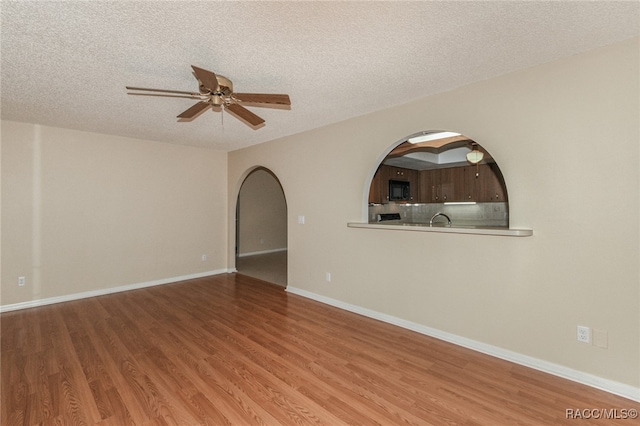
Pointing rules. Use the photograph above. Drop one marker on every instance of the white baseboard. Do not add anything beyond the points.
(102, 292)
(617, 388)
(255, 253)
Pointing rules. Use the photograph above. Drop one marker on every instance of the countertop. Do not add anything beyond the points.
(442, 228)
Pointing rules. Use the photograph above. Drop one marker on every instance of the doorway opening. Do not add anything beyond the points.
(439, 178)
(261, 228)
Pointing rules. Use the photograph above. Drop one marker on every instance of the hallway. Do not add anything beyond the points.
(270, 267)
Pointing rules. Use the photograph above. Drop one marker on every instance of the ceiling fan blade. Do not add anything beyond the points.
(167, 96)
(162, 90)
(194, 110)
(245, 114)
(207, 78)
(263, 98)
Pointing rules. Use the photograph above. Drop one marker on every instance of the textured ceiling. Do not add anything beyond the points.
(66, 64)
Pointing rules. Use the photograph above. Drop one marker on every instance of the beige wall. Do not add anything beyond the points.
(262, 214)
(566, 136)
(84, 212)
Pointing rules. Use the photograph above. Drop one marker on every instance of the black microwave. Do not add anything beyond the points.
(399, 190)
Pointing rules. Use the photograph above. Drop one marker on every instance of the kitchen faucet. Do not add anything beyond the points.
(439, 214)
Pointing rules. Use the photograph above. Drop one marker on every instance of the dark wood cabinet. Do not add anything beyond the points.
(441, 185)
(481, 184)
(489, 185)
(429, 186)
(398, 173)
(471, 184)
(379, 190)
(414, 185)
(452, 184)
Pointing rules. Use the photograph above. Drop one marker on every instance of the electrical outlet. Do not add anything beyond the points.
(300, 220)
(22, 281)
(204, 257)
(584, 334)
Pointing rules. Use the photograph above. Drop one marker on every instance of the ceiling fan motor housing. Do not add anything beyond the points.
(225, 86)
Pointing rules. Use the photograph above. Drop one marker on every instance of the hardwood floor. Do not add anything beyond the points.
(229, 349)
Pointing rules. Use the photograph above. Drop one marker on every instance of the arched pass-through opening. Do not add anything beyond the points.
(438, 178)
(261, 228)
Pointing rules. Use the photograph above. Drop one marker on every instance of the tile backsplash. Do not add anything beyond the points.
(481, 214)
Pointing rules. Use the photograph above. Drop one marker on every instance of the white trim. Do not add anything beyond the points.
(105, 291)
(611, 386)
(256, 253)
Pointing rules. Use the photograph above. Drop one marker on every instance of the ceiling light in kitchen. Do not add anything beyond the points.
(474, 156)
(426, 137)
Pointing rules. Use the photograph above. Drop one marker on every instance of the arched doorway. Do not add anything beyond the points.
(261, 228)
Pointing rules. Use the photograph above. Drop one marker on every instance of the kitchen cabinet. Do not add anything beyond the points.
(471, 183)
(411, 176)
(483, 184)
(440, 185)
(431, 190)
(489, 184)
(455, 184)
(452, 184)
(379, 190)
(429, 185)
(398, 173)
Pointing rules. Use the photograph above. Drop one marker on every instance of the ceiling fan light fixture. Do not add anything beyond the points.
(216, 100)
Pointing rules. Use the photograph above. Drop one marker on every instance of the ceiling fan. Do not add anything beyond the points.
(216, 91)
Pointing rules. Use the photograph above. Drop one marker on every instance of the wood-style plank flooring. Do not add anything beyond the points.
(230, 349)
